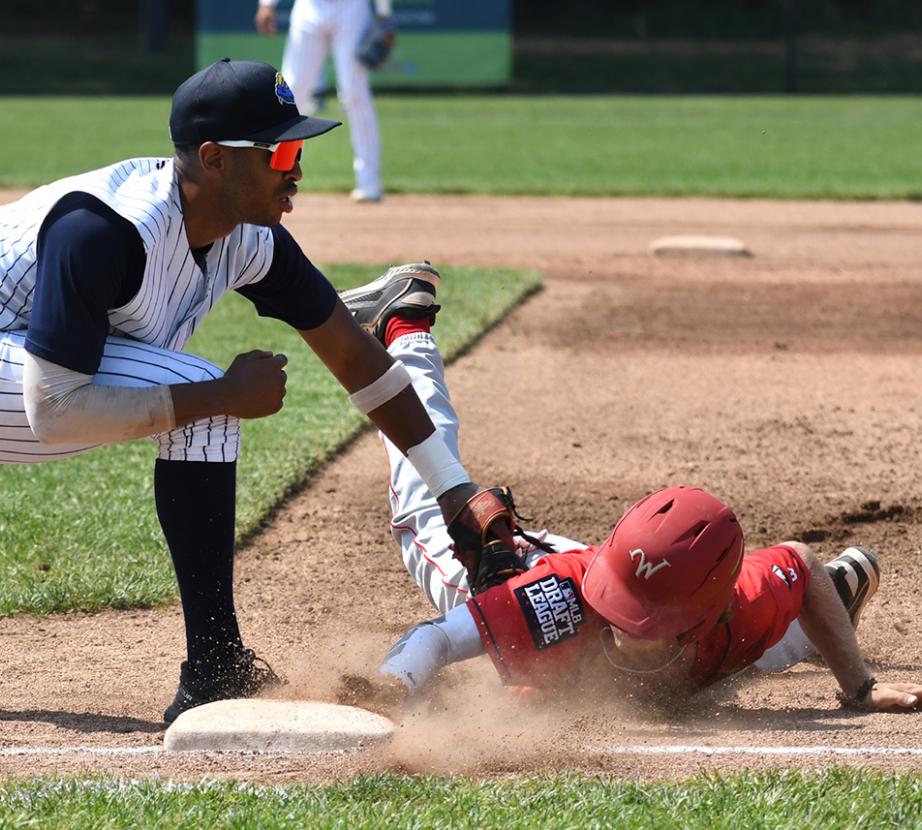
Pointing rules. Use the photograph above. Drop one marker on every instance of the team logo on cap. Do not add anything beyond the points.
(282, 90)
(644, 567)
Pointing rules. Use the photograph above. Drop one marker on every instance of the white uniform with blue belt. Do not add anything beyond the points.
(317, 28)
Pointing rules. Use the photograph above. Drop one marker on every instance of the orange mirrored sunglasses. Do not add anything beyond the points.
(285, 154)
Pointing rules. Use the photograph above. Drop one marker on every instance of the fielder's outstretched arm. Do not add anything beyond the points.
(381, 388)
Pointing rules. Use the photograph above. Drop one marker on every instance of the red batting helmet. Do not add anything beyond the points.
(669, 567)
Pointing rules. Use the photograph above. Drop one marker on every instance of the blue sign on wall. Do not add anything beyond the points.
(439, 42)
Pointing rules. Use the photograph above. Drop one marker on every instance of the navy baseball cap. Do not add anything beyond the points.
(233, 100)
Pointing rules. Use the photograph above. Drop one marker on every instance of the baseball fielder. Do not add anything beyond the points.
(669, 599)
(316, 27)
(105, 276)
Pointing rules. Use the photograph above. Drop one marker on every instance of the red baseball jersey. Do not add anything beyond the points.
(539, 631)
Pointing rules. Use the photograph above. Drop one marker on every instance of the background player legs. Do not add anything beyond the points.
(305, 55)
(339, 25)
(353, 86)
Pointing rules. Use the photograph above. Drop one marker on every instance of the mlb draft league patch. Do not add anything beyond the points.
(552, 609)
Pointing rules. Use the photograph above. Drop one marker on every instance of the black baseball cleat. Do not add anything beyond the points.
(408, 290)
(856, 575)
(243, 678)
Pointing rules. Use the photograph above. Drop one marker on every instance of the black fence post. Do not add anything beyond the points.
(790, 45)
(152, 21)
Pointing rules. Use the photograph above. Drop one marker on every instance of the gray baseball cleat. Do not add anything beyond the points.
(856, 575)
(408, 290)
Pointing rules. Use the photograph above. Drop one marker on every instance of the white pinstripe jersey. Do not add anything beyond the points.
(175, 294)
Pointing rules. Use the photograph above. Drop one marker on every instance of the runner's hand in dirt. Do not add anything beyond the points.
(893, 696)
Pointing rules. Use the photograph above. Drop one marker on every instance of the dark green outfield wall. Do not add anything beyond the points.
(95, 46)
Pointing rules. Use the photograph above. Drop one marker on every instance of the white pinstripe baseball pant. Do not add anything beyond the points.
(124, 363)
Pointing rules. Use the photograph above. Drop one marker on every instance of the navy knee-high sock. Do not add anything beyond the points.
(196, 503)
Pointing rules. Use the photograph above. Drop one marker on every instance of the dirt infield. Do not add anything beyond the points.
(788, 383)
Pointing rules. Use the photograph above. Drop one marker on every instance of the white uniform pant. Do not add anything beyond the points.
(124, 363)
(316, 28)
(418, 525)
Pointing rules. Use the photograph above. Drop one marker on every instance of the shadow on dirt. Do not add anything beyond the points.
(844, 525)
(82, 721)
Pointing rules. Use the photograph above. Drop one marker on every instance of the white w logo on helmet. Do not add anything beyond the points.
(645, 567)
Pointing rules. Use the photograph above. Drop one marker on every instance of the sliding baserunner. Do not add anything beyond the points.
(668, 604)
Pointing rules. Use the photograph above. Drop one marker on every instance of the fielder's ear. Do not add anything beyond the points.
(211, 156)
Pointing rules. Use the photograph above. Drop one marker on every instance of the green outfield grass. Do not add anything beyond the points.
(82, 533)
(772, 146)
(840, 798)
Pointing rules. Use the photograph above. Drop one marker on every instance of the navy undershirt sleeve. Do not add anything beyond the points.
(293, 290)
(90, 260)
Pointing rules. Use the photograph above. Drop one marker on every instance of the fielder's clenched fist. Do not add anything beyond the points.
(254, 384)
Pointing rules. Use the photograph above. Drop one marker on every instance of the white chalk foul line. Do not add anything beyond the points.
(15, 751)
(117, 751)
(692, 749)
(595, 749)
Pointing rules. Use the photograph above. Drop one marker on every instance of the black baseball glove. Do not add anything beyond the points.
(377, 42)
(483, 535)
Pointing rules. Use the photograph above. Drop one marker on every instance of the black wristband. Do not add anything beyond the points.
(856, 701)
